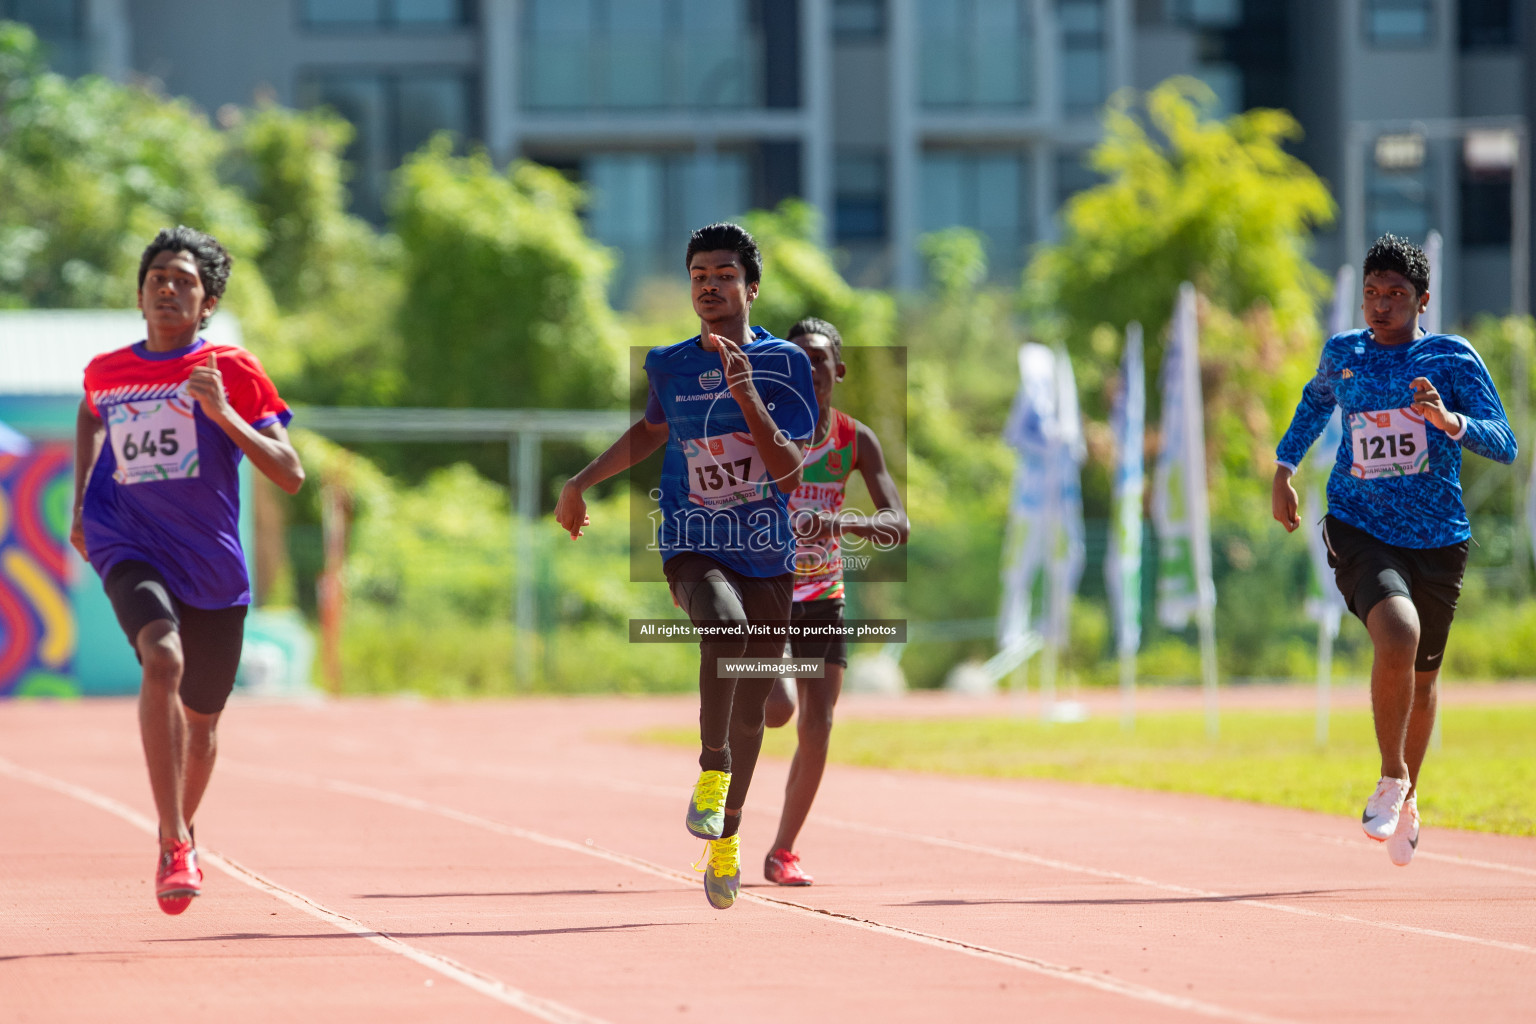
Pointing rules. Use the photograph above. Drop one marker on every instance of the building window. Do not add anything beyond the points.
(390, 14)
(1485, 209)
(1487, 24)
(642, 54)
(58, 25)
(393, 115)
(861, 190)
(1408, 23)
(1083, 67)
(646, 204)
(986, 191)
(858, 21)
(1207, 13)
(975, 53)
(1073, 175)
(1399, 201)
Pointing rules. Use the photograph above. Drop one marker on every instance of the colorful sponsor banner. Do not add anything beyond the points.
(38, 636)
(1180, 505)
(1122, 563)
(1045, 531)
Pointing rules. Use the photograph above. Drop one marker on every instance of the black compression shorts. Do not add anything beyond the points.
(810, 614)
(1368, 571)
(211, 638)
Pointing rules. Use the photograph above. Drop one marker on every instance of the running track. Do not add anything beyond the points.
(396, 861)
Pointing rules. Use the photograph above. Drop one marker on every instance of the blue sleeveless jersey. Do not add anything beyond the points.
(1396, 476)
(717, 496)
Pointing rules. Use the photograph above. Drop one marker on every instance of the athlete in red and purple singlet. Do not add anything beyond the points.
(158, 442)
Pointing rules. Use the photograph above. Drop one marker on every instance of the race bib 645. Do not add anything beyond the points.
(155, 439)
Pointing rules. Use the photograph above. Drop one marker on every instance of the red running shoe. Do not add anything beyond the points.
(783, 868)
(178, 878)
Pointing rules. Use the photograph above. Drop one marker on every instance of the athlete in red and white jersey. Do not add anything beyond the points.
(158, 442)
(840, 446)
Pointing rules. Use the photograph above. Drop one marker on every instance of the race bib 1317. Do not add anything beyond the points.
(725, 470)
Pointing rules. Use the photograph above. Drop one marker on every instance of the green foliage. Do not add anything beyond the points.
(1186, 198)
(90, 170)
(337, 282)
(504, 295)
(800, 280)
(1484, 777)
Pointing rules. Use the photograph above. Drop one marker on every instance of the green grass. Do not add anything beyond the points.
(1483, 777)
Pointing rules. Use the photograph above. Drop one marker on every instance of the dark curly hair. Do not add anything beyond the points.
(212, 259)
(714, 237)
(1402, 256)
(816, 325)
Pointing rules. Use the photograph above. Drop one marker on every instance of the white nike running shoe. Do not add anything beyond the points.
(1406, 838)
(1384, 807)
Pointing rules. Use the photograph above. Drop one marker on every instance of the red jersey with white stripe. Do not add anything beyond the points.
(165, 489)
(824, 485)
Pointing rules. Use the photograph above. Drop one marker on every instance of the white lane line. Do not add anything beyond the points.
(536, 1006)
(1183, 890)
(1444, 858)
(1019, 856)
(1076, 975)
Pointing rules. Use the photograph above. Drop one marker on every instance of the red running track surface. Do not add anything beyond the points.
(391, 861)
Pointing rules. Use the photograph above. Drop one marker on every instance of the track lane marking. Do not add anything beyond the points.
(1033, 965)
(648, 789)
(537, 1006)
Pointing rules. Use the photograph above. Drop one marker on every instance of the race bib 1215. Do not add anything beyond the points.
(1390, 442)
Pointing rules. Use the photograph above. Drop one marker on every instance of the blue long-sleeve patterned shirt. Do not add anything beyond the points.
(1395, 476)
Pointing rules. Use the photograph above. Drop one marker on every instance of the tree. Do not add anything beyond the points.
(1186, 197)
(505, 302)
(90, 170)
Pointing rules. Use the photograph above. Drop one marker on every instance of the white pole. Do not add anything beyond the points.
(1208, 669)
(1324, 678)
(1127, 690)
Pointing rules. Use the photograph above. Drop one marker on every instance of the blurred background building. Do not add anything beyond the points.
(894, 117)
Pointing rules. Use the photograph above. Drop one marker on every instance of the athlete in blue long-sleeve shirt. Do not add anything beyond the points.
(1396, 528)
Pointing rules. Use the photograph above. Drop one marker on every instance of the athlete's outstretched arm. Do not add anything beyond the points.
(1309, 421)
(1311, 416)
(268, 448)
(889, 523)
(89, 433)
(1484, 429)
(634, 445)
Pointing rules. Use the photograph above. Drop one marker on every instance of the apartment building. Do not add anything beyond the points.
(894, 117)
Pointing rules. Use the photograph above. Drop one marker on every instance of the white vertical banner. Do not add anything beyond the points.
(1045, 530)
(1032, 512)
(1325, 605)
(1122, 562)
(1180, 502)
(1434, 249)
(1067, 547)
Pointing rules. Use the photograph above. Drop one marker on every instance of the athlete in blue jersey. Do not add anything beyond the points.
(734, 407)
(1396, 528)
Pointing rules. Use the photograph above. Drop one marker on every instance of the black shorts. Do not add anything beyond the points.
(1368, 571)
(712, 592)
(833, 649)
(211, 638)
